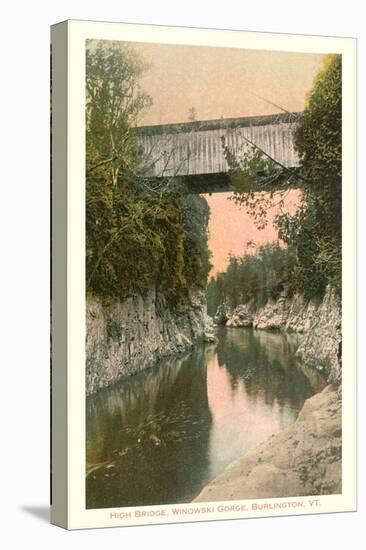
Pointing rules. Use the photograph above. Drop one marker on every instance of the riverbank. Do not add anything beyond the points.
(304, 459)
(127, 337)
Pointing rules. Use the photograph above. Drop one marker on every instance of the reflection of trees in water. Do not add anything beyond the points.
(156, 422)
(267, 365)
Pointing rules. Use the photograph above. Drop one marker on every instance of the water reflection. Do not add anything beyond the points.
(160, 436)
(255, 388)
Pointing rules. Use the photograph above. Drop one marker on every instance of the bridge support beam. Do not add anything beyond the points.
(221, 183)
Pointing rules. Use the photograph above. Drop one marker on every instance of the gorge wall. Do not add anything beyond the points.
(319, 325)
(128, 336)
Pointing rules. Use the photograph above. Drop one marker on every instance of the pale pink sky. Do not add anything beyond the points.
(222, 82)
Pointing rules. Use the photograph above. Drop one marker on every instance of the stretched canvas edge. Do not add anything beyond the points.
(77, 34)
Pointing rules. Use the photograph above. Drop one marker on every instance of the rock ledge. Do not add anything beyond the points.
(304, 459)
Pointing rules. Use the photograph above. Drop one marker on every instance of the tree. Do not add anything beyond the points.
(318, 140)
(318, 136)
(252, 278)
(114, 100)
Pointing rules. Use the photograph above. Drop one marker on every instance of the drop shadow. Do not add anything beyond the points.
(40, 512)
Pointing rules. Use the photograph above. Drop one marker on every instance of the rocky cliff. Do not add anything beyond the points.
(135, 334)
(318, 323)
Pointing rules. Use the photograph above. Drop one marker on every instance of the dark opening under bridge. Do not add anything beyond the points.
(192, 152)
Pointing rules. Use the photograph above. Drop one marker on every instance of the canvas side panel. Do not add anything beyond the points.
(59, 473)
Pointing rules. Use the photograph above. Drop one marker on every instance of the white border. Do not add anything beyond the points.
(78, 33)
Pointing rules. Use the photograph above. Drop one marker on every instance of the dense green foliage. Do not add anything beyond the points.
(134, 240)
(319, 142)
(254, 278)
(319, 134)
(315, 230)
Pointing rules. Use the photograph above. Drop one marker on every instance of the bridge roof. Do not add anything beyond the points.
(218, 124)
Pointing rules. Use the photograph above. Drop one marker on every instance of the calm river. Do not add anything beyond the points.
(160, 436)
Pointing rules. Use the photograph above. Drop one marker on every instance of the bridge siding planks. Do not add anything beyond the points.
(199, 152)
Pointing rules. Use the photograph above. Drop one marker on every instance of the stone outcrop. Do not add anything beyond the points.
(291, 314)
(242, 316)
(304, 459)
(319, 325)
(321, 345)
(135, 334)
